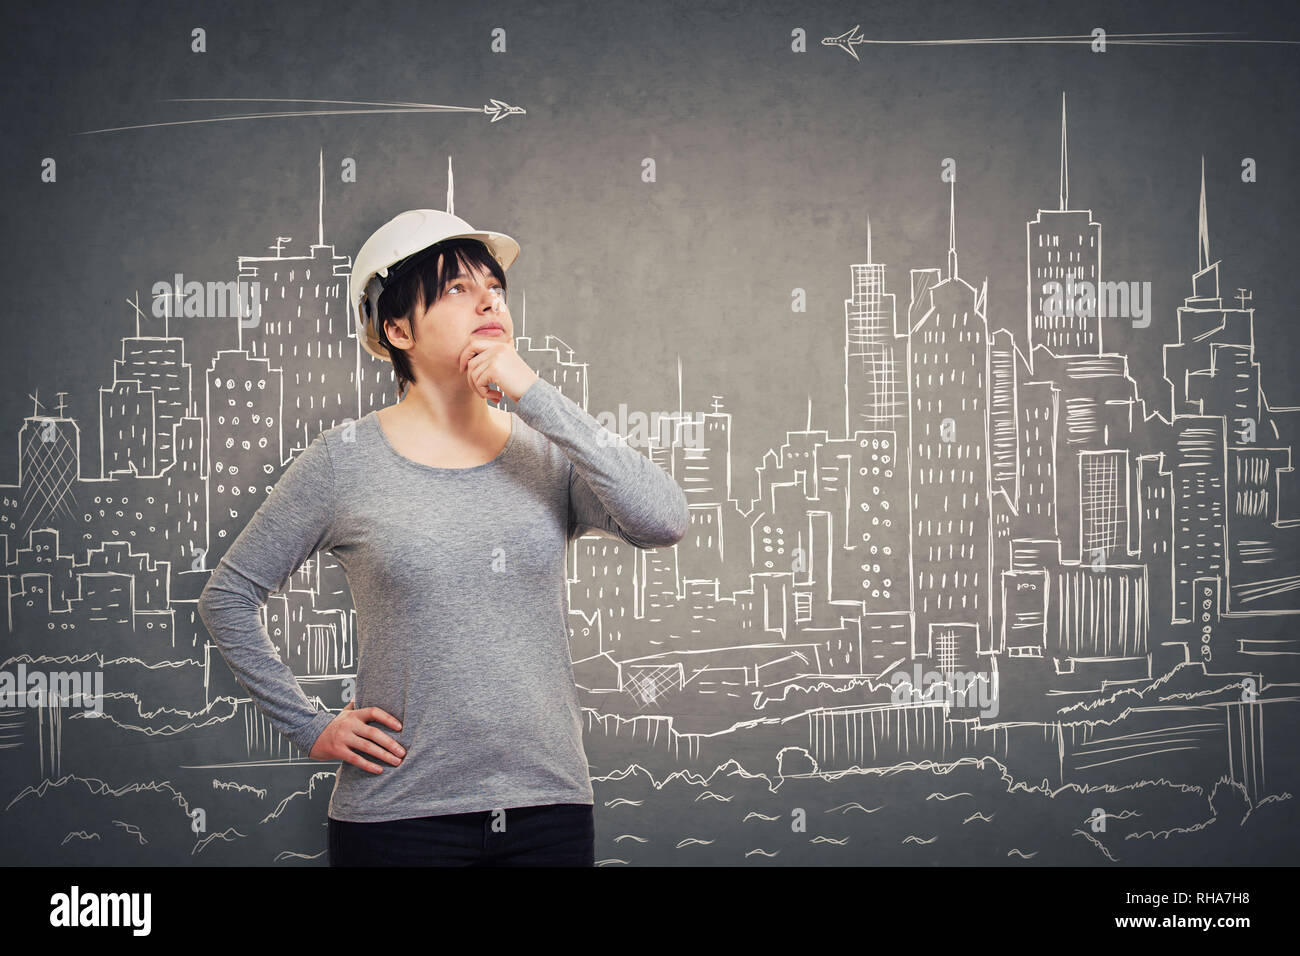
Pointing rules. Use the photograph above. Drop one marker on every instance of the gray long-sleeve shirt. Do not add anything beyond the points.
(457, 576)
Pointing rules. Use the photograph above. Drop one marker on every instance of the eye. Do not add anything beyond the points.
(461, 285)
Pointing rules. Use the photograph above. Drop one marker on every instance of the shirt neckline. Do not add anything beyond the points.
(500, 456)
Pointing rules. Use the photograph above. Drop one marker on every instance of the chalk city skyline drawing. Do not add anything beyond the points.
(1008, 610)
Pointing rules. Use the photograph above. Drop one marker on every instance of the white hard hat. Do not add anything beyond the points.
(396, 240)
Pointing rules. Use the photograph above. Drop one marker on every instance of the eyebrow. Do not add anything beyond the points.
(457, 278)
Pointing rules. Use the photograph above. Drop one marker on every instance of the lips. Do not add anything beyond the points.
(491, 327)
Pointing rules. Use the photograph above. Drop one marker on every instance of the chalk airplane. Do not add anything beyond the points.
(499, 110)
(846, 41)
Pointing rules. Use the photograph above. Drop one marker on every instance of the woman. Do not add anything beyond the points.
(451, 518)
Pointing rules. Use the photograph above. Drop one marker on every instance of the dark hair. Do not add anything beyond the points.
(417, 280)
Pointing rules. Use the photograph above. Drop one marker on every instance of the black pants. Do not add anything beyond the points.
(557, 834)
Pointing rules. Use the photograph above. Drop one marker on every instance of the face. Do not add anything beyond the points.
(444, 328)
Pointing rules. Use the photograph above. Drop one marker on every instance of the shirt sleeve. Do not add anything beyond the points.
(293, 523)
(614, 490)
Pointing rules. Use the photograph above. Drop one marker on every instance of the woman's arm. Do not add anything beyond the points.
(614, 490)
(293, 523)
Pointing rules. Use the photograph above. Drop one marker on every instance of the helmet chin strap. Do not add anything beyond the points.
(373, 290)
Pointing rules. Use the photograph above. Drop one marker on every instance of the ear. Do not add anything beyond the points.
(393, 326)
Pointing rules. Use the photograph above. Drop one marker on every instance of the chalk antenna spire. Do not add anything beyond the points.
(1203, 226)
(451, 187)
(320, 208)
(952, 229)
(1065, 161)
